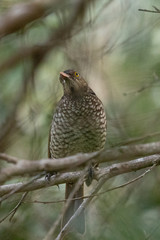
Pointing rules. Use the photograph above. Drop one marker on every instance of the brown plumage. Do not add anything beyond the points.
(78, 126)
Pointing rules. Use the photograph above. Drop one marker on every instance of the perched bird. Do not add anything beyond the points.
(78, 126)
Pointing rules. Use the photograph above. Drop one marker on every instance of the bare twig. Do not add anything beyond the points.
(48, 202)
(129, 182)
(18, 205)
(150, 11)
(13, 211)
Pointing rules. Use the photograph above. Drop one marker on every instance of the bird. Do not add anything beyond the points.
(78, 126)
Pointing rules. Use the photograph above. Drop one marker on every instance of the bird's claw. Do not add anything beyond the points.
(49, 175)
(90, 175)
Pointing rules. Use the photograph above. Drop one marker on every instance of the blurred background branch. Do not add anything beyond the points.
(150, 11)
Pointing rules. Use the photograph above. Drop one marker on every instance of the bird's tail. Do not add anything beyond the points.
(79, 223)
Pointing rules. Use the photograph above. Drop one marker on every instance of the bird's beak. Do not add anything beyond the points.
(63, 77)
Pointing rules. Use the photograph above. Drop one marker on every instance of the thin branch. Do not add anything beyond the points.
(49, 202)
(150, 11)
(13, 211)
(129, 182)
(18, 205)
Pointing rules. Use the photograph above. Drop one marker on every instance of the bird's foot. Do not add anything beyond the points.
(49, 175)
(89, 177)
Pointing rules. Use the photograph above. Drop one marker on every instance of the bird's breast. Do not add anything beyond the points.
(78, 126)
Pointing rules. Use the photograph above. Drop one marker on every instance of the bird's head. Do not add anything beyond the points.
(73, 83)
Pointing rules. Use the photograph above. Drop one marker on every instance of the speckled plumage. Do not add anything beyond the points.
(78, 125)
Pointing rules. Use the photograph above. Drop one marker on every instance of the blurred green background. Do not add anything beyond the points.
(117, 50)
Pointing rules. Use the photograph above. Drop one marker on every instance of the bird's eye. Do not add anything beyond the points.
(76, 74)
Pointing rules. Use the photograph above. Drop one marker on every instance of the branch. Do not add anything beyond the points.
(22, 14)
(29, 167)
(109, 172)
(10, 121)
(55, 180)
(130, 152)
(57, 38)
(98, 194)
(150, 11)
(7, 158)
(18, 188)
(114, 170)
(23, 167)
